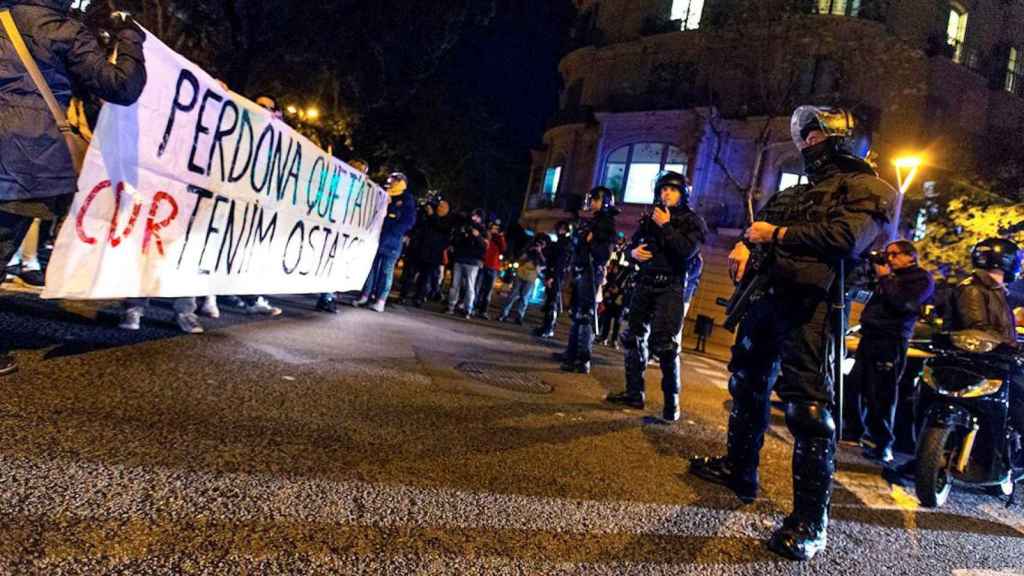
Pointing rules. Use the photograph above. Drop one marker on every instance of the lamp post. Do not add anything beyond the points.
(910, 164)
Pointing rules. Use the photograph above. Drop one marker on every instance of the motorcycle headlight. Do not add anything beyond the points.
(973, 341)
(958, 383)
(986, 388)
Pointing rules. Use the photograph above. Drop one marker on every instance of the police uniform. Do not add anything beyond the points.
(655, 318)
(592, 244)
(785, 341)
(557, 255)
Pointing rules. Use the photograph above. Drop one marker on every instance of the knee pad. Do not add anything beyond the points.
(810, 420)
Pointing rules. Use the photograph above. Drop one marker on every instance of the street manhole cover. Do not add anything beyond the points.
(513, 379)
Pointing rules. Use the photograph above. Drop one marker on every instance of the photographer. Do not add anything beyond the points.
(469, 245)
(496, 246)
(427, 252)
(887, 324)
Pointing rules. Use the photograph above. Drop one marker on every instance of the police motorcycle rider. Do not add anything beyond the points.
(981, 304)
(557, 256)
(664, 247)
(591, 250)
(786, 337)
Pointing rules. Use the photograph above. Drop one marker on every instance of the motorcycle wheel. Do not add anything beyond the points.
(934, 460)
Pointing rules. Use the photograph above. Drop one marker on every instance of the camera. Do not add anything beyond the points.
(878, 258)
(432, 198)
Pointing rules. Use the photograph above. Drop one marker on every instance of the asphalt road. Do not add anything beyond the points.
(402, 443)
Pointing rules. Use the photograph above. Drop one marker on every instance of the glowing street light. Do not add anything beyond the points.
(910, 163)
(292, 110)
(312, 113)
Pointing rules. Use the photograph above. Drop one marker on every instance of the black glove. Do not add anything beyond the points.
(122, 22)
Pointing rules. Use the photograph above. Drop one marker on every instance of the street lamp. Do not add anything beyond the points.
(312, 113)
(911, 164)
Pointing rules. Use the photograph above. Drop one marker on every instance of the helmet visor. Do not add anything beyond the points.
(829, 121)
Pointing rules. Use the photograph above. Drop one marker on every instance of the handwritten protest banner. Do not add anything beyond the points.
(194, 190)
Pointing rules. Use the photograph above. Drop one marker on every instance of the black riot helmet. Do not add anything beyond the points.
(563, 228)
(847, 141)
(997, 254)
(672, 180)
(602, 193)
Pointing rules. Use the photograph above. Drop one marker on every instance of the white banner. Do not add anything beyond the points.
(194, 190)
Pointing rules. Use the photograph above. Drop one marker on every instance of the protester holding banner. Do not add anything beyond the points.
(37, 168)
(401, 216)
(328, 301)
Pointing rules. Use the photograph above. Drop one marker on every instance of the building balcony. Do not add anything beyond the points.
(579, 115)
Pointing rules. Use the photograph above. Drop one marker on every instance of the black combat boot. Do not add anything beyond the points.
(670, 386)
(737, 470)
(627, 398)
(804, 533)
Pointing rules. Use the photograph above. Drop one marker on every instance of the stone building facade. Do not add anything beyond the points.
(706, 86)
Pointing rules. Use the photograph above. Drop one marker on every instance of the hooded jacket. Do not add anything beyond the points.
(34, 159)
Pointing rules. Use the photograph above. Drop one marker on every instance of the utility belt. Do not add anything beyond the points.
(659, 280)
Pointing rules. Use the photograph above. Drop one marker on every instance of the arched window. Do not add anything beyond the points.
(632, 170)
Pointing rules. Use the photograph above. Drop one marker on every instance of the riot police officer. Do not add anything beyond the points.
(664, 246)
(557, 256)
(981, 304)
(591, 250)
(785, 336)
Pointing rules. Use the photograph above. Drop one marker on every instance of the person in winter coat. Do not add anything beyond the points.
(36, 171)
(428, 250)
(496, 246)
(400, 218)
(469, 246)
(528, 269)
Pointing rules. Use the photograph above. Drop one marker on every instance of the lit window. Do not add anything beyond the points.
(551, 180)
(1014, 71)
(790, 179)
(689, 12)
(956, 31)
(839, 7)
(631, 171)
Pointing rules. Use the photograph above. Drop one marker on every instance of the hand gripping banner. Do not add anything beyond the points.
(194, 190)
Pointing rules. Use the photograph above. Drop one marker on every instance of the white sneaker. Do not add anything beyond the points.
(189, 323)
(378, 306)
(132, 319)
(361, 301)
(263, 308)
(209, 307)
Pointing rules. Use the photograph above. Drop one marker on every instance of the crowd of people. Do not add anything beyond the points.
(789, 258)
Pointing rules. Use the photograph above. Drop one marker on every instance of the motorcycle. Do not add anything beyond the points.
(966, 437)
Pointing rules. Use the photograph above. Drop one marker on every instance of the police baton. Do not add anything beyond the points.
(840, 379)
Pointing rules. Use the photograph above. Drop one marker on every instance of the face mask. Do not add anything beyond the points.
(817, 157)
